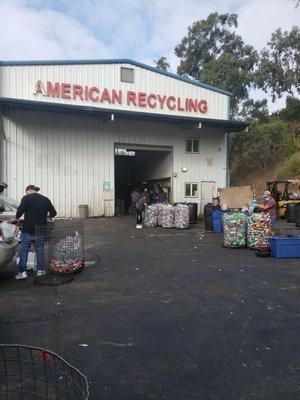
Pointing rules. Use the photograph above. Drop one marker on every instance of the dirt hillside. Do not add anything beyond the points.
(255, 178)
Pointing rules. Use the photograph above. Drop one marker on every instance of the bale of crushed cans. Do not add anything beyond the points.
(159, 213)
(150, 216)
(259, 231)
(234, 229)
(167, 216)
(181, 216)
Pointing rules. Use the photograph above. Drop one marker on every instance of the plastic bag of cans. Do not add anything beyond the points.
(181, 216)
(167, 216)
(234, 229)
(150, 216)
(259, 231)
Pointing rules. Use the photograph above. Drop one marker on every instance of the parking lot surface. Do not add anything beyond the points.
(161, 314)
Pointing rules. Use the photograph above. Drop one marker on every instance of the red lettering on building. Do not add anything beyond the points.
(186, 104)
(105, 96)
(142, 99)
(193, 105)
(202, 106)
(170, 100)
(65, 90)
(116, 97)
(179, 108)
(86, 93)
(149, 100)
(113, 96)
(77, 91)
(93, 90)
(53, 90)
(161, 100)
(131, 98)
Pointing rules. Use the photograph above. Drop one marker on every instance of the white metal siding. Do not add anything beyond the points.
(18, 82)
(69, 156)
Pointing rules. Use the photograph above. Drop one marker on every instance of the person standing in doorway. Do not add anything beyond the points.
(36, 209)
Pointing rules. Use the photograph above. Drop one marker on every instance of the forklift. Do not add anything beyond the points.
(284, 192)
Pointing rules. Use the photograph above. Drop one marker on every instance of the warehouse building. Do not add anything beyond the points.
(87, 132)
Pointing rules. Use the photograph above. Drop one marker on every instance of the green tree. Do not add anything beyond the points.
(260, 147)
(162, 63)
(255, 110)
(291, 112)
(279, 65)
(214, 54)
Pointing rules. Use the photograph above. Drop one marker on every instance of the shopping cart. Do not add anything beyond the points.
(32, 373)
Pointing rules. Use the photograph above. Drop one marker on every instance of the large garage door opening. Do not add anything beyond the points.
(140, 167)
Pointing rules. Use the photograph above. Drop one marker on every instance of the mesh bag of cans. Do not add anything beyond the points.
(259, 231)
(181, 216)
(150, 216)
(167, 218)
(234, 229)
(68, 254)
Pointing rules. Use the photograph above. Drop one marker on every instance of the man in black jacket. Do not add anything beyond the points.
(35, 208)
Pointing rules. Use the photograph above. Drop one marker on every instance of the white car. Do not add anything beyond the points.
(8, 208)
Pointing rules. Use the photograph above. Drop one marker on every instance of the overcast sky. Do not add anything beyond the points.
(142, 30)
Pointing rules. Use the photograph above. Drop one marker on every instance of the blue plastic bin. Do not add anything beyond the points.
(217, 225)
(285, 247)
(216, 215)
(217, 221)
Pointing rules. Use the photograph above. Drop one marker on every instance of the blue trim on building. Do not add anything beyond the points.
(232, 126)
(115, 61)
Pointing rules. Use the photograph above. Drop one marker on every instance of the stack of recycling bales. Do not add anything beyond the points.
(167, 216)
(259, 231)
(234, 230)
(150, 216)
(181, 216)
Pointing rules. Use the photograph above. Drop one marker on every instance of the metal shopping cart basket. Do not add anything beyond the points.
(32, 373)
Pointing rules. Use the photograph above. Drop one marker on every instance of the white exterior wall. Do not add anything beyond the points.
(69, 156)
(18, 82)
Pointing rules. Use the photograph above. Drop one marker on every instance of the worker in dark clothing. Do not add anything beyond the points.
(141, 204)
(36, 209)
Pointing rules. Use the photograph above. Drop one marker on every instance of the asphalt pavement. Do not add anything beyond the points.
(160, 314)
